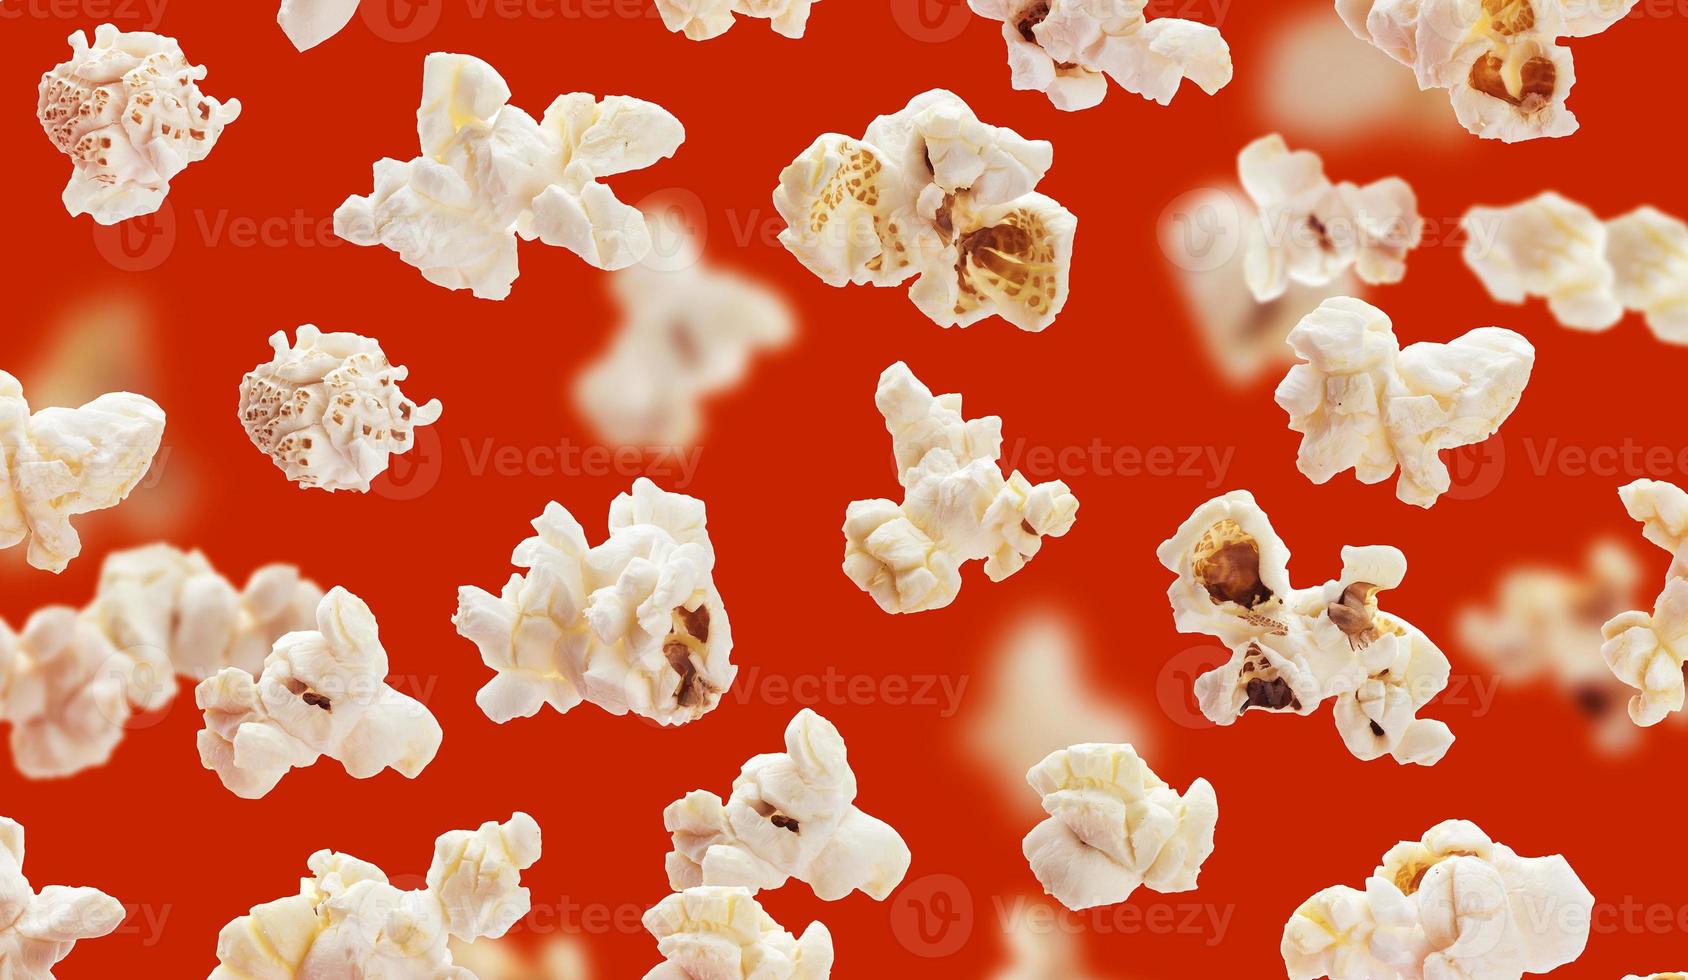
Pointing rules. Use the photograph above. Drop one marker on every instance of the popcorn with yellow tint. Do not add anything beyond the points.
(933, 194)
(1549, 247)
(721, 933)
(702, 20)
(39, 929)
(1649, 652)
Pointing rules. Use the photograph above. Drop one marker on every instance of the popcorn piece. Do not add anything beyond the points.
(558, 958)
(1114, 825)
(1549, 247)
(790, 815)
(932, 193)
(715, 933)
(489, 174)
(61, 462)
(63, 689)
(1500, 60)
(1292, 649)
(1364, 403)
(633, 624)
(1456, 904)
(1650, 652)
(1311, 231)
(1648, 252)
(1660, 976)
(39, 929)
(128, 112)
(308, 23)
(956, 505)
(349, 922)
(329, 411)
(321, 692)
(1067, 49)
(702, 20)
(1041, 953)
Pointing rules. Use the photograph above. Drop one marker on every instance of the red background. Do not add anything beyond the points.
(791, 448)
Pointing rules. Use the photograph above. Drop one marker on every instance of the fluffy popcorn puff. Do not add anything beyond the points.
(308, 23)
(956, 508)
(38, 929)
(329, 411)
(1648, 252)
(1068, 49)
(322, 692)
(632, 624)
(128, 112)
(1293, 649)
(1549, 247)
(61, 462)
(719, 933)
(933, 194)
(1114, 826)
(1363, 402)
(1456, 904)
(348, 922)
(1310, 231)
(702, 20)
(488, 175)
(1650, 652)
(64, 689)
(791, 815)
(1499, 60)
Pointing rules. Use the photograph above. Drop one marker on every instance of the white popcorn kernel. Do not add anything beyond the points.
(558, 958)
(329, 411)
(1364, 403)
(1311, 231)
(933, 194)
(349, 922)
(790, 815)
(1292, 649)
(39, 929)
(489, 174)
(1067, 49)
(1649, 652)
(322, 692)
(722, 933)
(128, 112)
(1114, 826)
(956, 508)
(61, 462)
(632, 624)
(308, 23)
(702, 20)
(1549, 247)
(63, 688)
(1648, 252)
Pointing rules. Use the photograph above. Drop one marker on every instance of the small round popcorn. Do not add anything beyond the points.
(1648, 252)
(1550, 247)
(720, 933)
(329, 411)
(39, 929)
(128, 112)
(1114, 826)
(702, 20)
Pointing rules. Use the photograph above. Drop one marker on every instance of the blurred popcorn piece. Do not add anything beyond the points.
(931, 193)
(1649, 652)
(489, 174)
(1648, 252)
(39, 929)
(791, 815)
(62, 462)
(128, 112)
(1114, 825)
(1660, 976)
(557, 958)
(322, 692)
(956, 508)
(329, 411)
(1311, 231)
(1550, 247)
(632, 624)
(702, 20)
(1500, 60)
(1362, 402)
(1304, 51)
(308, 23)
(1456, 904)
(63, 689)
(1293, 649)
(348, 921)
(721, 933)
(1041, 952)
(1068, 49)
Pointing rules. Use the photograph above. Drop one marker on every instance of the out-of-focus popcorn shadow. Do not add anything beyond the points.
(1040, 945)
(555, 958)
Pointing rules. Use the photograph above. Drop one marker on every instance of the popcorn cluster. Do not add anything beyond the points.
(38, 929)
(1068, 49)
(1114, 826)
(1588, 271)
(1292, 649)
(956, 508)
(61, 462)
(931, 193)
(719, 933)
(632, 624)
(1456, 904)
(702, 20)
(1362, 402)
(1311, 231)
(128, 112)
(350, 923)
(308, 23)
(321, 692)
(328, 409)
(489, 174)
(791, 815)
(1500, 60)
(1649, 652)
